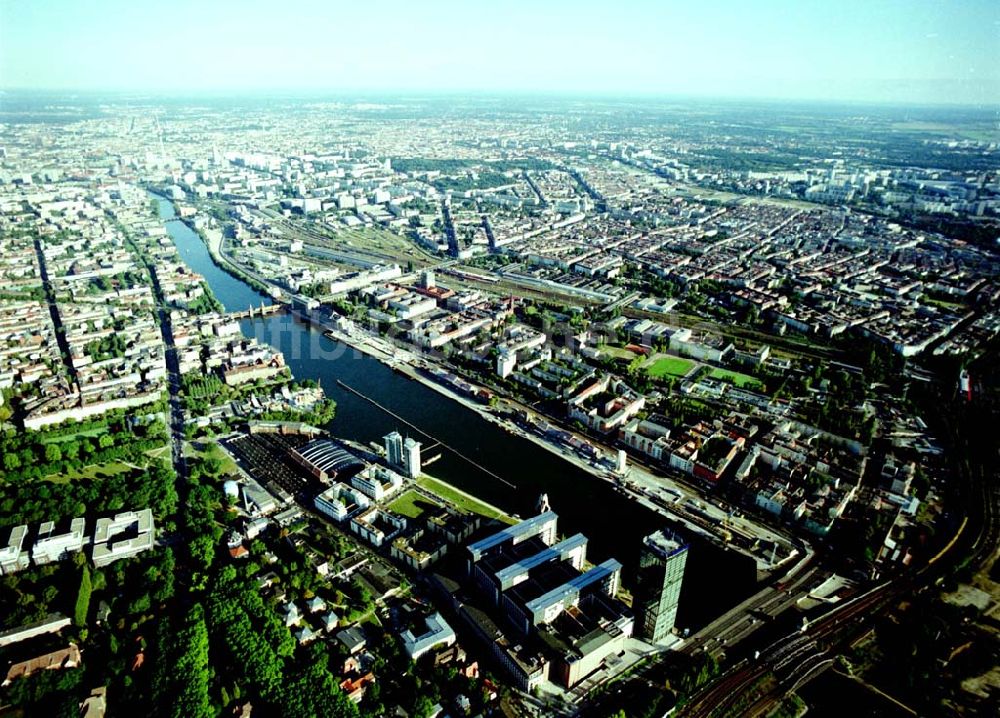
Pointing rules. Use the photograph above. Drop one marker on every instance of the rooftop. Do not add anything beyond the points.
(516, 533)
(329, 456)
(665, 542)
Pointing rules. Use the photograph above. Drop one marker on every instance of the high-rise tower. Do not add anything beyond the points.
(394, 449)
(662, 558)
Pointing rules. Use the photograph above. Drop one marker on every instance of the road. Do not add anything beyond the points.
(175, 407)
(739, 622)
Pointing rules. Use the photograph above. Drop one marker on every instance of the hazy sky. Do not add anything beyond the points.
(892, 50)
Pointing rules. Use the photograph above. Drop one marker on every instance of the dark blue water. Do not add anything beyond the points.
(614, 524)
(235, 295)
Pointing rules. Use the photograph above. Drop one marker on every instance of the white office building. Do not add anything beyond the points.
(339, 502)
(13, 557)
(377, 482)
(411, 457)
(438, 633)
(50, 547)
(394, 449)
(127, 534)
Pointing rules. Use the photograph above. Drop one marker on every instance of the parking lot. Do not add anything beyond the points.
(266, 458)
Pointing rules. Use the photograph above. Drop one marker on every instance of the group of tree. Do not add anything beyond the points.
(34, 455)
(31, 502)
(83, 597)
(258, 649)
(205, 303)
(320, 414)
(182, 676)
(111, 346)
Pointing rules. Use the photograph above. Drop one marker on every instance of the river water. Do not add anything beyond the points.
(615, 525)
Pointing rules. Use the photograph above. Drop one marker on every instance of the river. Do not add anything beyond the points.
(715, 579)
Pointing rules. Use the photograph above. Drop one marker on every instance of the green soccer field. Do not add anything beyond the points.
(669, 366)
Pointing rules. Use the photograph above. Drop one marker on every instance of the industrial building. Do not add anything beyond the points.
(546, 591)
(326, 460)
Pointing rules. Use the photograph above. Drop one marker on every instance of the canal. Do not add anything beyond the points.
(715, 579)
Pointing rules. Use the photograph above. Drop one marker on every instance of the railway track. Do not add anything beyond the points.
(792, 660)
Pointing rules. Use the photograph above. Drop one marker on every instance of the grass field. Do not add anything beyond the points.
(412, 505)
(462, 500)
(669, 366)
(617, 352)
(94, 471)
(210, 450)
(743, 381)
(96, 431)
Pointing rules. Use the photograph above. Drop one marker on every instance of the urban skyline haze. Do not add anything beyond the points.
(928, 51)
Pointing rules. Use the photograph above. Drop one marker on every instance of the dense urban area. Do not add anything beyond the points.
(436, 406)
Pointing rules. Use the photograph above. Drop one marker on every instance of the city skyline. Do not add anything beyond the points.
(585, 360)
(926, 52)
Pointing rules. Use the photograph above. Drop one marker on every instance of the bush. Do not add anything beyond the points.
(83, 598)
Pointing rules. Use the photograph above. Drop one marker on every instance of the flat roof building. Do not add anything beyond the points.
(340, 502)
(604, 578)
(547, 591)
(543, 526)
(13, 557)
(50, 546)
(377, 482)
(411, 457)
(526, 665)
(127, 534)
(394, 449)
(438, 633)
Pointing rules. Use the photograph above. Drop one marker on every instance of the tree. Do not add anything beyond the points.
(52, 453)
(83, 598)
(182, 675)
(202, 551)
(423, 707)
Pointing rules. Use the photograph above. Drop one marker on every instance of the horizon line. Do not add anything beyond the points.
(602, 94)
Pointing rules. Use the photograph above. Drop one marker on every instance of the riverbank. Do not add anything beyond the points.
(647, 485)
(462, 499)
(213, 241)
(403, 366)
(614, 522)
